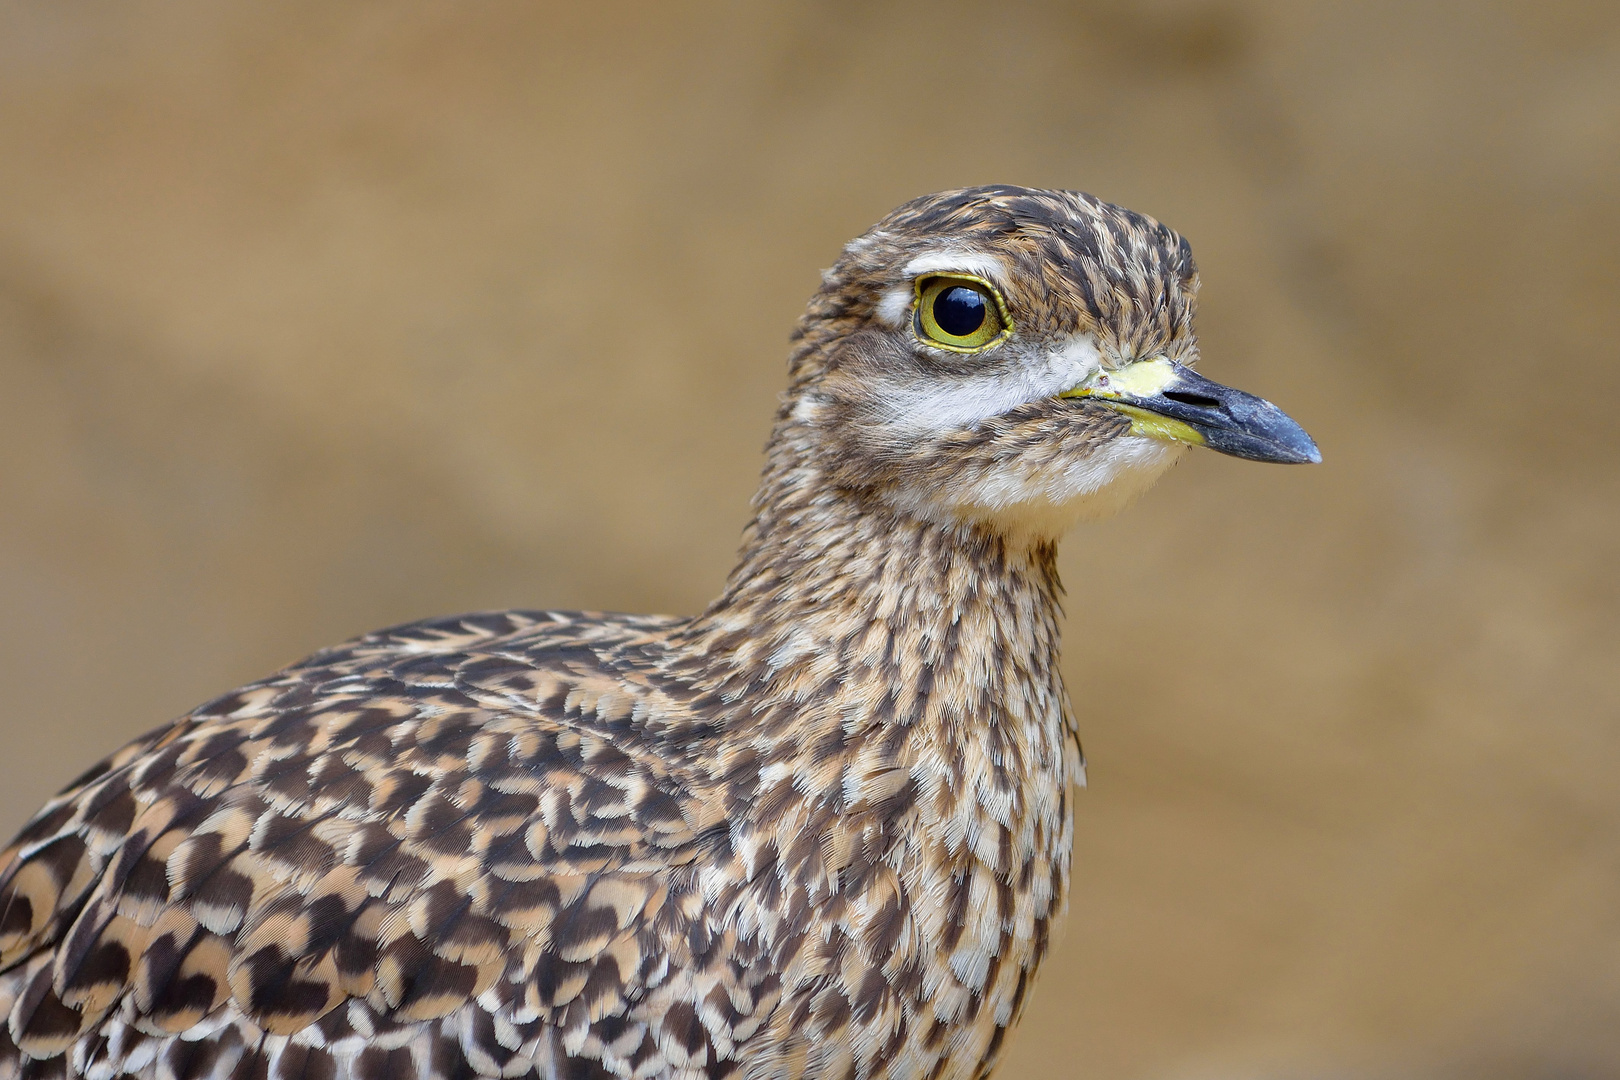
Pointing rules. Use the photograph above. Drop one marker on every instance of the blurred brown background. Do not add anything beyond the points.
(316, 317)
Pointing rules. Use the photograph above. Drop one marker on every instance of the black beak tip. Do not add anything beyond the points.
(1289, 443)
(1293, 448)
(1272, 437)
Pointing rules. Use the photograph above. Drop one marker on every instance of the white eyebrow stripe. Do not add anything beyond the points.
(977, 263)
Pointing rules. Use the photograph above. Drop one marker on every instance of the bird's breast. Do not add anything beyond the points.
(907, 892)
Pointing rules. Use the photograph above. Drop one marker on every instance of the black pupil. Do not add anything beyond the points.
(959, 311)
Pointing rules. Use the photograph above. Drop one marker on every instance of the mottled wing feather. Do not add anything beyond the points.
(449, 822)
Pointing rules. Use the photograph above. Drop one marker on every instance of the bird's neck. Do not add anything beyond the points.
(850, 555)
(842, 606)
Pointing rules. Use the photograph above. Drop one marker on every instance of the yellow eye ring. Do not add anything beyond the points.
(960, 313)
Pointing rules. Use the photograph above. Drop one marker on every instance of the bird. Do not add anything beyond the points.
(820, 831)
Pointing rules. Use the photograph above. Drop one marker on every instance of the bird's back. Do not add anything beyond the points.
(440, 850)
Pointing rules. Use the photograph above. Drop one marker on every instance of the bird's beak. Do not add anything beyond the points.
(1167, 401)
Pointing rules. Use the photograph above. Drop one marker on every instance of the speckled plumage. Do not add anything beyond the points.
(820, 831)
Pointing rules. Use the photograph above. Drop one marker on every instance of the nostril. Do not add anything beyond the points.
(1197, 401)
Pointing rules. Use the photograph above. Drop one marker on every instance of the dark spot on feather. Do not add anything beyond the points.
(133, 853)
(332, 778)
(452, 736)
(45, 1021)
(290, 840)
(583, 1069)
(116, 815)
(908, 980)
(278, 991)
(447, 1062)
(287, 778)
(394, 871)
(551, 974)
(375, 1063)
(345, 726)
(16, 914)
(194, 993)
(252, 1066)
(898, 802)
(584, 929)
(724, 1070)
(681, 1022)
(196, 857)
(107, 963)
(223, 888)
(223, 705)
(220, 769)
(290, 730)
(61, 857)
(833, 1009)
(406, 788)
(869, 996)
(556, 703)
(370, 842)
(148, 880)
(598, 796)
(190, 1060)
(443, 827)
(327, 918)
(526, 896)
(354, 955)
(335, 1025)
(52, 1068)
(372, 745)
(441, 696)
(606, 759)
(425, 976)
(925, 684)
(516, 804)
(590, 855)
(883, 932)
(484, 1038)
(46, 824)
(887, 706)
(602, 985)
(304, 1063)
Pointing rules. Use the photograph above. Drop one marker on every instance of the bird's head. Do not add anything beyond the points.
(1016, 358)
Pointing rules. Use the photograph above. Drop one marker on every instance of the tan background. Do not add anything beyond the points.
(316, 317)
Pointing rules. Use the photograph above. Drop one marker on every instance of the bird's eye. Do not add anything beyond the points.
(959, 313)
